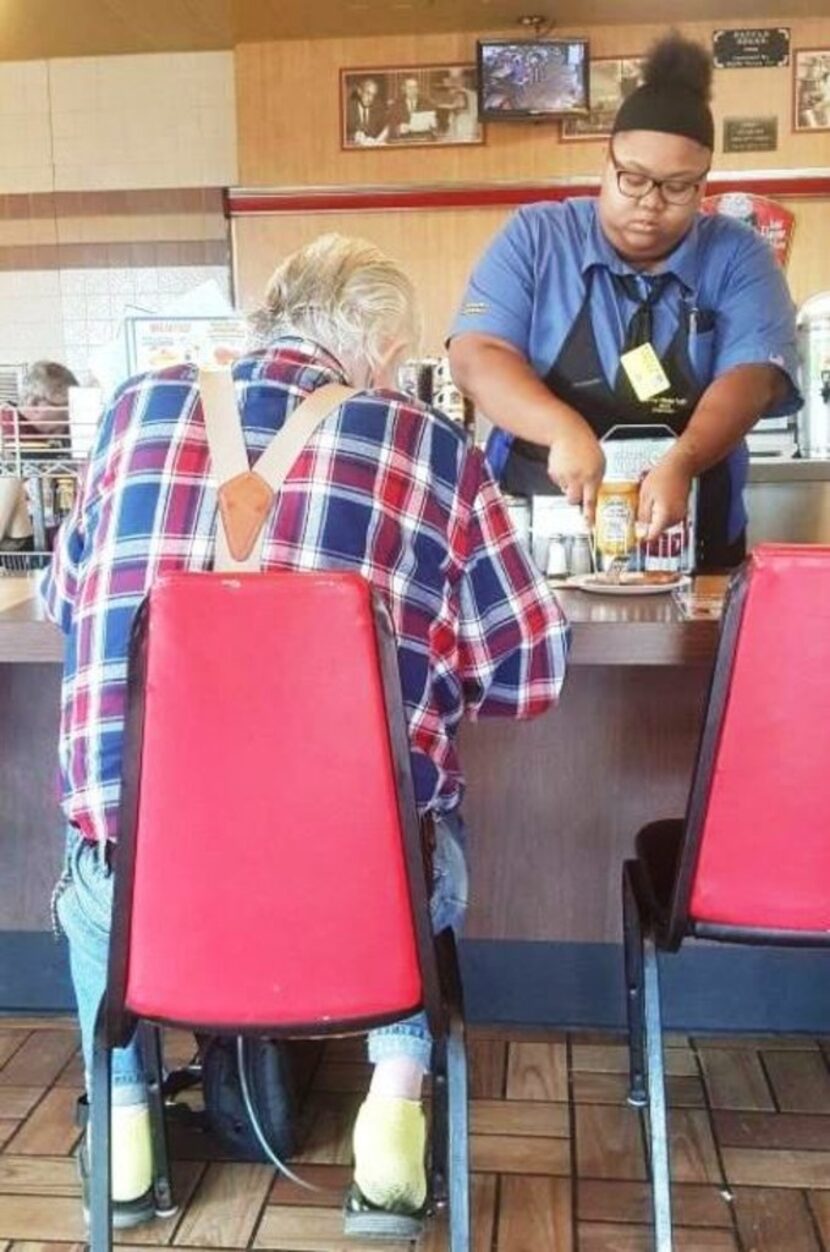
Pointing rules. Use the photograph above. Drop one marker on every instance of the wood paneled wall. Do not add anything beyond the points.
(439, 246)
(436, 246)
(289, 136)
(289, 112)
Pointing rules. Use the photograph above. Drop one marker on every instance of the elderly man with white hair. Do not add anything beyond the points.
(385, 486)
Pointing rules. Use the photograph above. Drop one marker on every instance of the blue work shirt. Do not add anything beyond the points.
(530, 284)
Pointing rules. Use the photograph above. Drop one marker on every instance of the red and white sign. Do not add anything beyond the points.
(771, 220)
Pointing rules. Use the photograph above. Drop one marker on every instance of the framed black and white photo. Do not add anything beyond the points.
(409, 106)
(612, 79)
(811, 89)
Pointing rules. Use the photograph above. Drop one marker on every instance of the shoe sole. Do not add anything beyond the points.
(125, 1213)
(122, 1220)
(362, 1220)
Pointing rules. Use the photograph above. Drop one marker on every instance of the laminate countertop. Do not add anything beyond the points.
(607, 630)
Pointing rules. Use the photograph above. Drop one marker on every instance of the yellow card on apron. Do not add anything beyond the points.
(644, 371)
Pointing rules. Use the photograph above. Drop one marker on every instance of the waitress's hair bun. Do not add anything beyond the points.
(674, 95)
(675, 61)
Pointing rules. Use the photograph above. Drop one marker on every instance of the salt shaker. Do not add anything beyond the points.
(582, 561)
(557, 564)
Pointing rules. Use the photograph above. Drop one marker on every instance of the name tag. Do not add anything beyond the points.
(644, 372)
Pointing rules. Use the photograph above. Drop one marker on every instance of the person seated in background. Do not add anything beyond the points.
(34, 431)
(387, 487)
(43, 408)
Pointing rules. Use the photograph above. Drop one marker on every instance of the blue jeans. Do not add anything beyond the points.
(82, 909)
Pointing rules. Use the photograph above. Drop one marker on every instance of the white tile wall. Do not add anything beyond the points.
(64, 314)
(31, 316)
(94, 301)
(25, 131)
(160, 120)
(100, 123)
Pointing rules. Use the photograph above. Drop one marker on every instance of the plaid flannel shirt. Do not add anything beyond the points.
(385, 486)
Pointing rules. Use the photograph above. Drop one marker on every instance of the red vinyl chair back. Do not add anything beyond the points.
(759, 818)
(269, 883)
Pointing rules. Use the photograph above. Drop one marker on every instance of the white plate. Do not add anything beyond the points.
(588, 583)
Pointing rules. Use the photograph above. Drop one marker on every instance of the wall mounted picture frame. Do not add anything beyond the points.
(611, 79)
(811, 89)
(409, 106)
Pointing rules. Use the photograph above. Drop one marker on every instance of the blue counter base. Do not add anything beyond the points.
(705, 987)
(34, 973)
(560, 985)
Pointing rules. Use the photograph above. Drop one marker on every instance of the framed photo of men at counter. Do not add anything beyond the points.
(409, 106)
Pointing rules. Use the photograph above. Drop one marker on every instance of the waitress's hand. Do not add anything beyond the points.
(664, 498)
(576, 463)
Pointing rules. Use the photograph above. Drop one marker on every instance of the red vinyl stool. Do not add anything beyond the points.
(750, 861)
(270, 870)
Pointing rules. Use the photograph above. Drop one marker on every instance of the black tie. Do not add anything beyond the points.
(640, 326)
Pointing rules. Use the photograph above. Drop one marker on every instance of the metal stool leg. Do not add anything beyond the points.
(440, 1126)
(459, 1168)
(658, 1129)
(150, 1042)
(633, 941)
(98, 1143)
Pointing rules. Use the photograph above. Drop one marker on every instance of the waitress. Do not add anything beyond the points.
(633, 308)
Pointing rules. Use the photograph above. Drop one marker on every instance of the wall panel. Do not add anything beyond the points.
(439, 246)
(289, 112)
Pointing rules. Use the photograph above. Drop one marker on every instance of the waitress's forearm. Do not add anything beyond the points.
(504, 387)
(728, 408)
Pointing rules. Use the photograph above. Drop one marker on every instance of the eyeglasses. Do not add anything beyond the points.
(636, 186)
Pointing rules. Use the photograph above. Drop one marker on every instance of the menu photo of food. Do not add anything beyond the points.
(155, 343)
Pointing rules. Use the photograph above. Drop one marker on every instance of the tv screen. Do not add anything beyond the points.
(533, 78)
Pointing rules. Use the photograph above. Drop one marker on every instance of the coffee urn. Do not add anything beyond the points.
(814, 353)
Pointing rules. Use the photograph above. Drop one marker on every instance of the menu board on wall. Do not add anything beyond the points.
(757, 47)
(154, 343)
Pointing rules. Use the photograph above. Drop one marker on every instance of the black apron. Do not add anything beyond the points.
(577, 378)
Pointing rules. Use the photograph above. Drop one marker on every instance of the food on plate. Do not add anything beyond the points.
(647, 578)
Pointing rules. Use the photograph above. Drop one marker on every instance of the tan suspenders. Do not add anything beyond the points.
(246, 496)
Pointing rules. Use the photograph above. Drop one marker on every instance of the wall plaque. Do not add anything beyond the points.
(751, 48)
(750, 134)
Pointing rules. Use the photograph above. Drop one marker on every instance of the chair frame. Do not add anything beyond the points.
(648, 930)
(442, 999)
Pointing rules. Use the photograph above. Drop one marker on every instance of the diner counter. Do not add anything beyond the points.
(607, 630)
(552, 809)
(782, 469)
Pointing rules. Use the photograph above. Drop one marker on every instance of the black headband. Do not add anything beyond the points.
(670, 110)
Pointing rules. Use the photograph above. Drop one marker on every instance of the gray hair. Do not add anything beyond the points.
(47, 383)
(344, 294)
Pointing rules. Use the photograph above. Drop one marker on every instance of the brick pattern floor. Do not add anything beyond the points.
(557, 1156)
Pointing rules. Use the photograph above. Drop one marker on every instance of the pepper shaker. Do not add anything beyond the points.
(582, 561)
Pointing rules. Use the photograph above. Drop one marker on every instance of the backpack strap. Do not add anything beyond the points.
(246, 495)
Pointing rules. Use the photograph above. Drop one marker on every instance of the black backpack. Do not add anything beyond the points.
(277, 1075)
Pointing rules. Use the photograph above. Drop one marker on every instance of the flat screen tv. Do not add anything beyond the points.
(532, 78)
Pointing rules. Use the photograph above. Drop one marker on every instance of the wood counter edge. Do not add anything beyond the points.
(594, 643)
